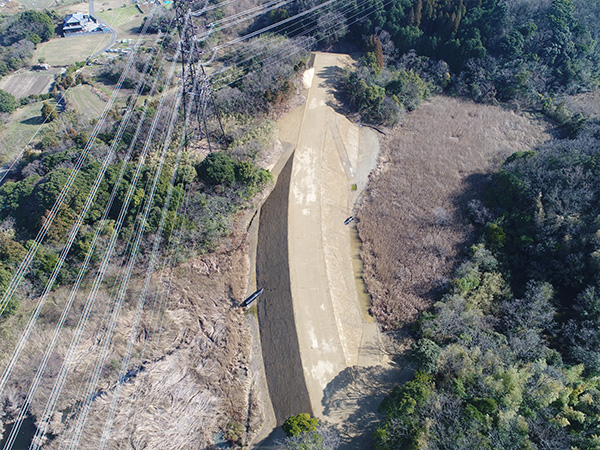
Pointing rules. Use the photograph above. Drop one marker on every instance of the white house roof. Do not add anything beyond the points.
(76, 18)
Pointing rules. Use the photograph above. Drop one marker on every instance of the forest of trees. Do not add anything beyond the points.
(509, 357)
(520, 51)
(220, 185)
(19, 34)
(215, 187)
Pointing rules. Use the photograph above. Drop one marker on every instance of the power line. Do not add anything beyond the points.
(196, 87)
(100, 226)
(39, 128)
(41, 302)
(203, 94)
(26, 262)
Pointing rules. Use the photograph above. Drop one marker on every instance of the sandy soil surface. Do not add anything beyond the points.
(326, 306)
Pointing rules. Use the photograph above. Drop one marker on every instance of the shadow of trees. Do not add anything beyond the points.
(361, 390)
(37, 120)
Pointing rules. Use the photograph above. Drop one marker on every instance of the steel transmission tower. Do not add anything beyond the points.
(198, 103)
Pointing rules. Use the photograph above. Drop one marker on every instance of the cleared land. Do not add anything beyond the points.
(126, 21)
(28, 83)
(37, 4)
(86, 102)
(73, 6)
(59, 5)
(305, 264)
(190, 362)
(413, 222)
(23, 124)
(66, 51)
(326, 307)
(10, 7)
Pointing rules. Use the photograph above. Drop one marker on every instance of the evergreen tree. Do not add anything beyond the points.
(48, 112)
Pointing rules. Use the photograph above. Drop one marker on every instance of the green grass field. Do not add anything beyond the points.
(47, 4)
(126, 21)
(119, 16)
(66, 51)
(21, 128)
(86, 102)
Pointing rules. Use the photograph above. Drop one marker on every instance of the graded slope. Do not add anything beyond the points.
(331, 155)
(321, 354)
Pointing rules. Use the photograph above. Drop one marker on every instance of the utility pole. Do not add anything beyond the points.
(197, 93)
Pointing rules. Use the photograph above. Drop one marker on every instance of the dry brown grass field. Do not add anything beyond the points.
(587, 103)
(194, 360)
(28, 82)
(199, 378)
(413, 220)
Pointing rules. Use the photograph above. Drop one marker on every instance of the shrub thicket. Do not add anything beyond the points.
(7, 102)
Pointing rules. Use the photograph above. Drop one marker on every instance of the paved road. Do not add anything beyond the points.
(113, 32)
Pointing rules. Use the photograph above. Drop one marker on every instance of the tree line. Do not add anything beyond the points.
(20, 33)
(213, 188)
(508, 358)
(523, 52)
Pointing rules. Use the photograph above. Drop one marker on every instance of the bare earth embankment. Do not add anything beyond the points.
(321, 354)
(413, 222)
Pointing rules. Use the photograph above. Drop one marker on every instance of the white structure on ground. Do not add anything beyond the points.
(81, 23)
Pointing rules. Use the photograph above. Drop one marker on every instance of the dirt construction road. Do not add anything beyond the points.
(332, 154)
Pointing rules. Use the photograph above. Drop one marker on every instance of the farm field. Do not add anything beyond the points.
(38, 4)
(28, 83)
(23, 125)
(59, 5)
(66, 51)
(119, 16)
(71, 6)
(10, 7)
(106, 88)
(85, 101)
